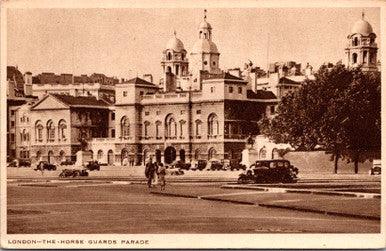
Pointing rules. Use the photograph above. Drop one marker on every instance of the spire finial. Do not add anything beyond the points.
(363, 14)
(205, 14)
(175, 33)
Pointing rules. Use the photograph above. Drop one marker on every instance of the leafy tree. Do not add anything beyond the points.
(339, 111)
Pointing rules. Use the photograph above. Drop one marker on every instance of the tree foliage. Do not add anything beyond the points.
(339, 111)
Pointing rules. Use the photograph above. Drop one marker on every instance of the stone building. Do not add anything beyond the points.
(197, 112)
(52, 129)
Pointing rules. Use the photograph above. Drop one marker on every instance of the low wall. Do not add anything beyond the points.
(320, 162)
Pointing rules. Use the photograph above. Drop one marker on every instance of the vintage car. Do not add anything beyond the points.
(269, 171)
(215, 165)
(67, 163)
(182, 165)
(199, 165)
(376, 168)
(72, 173)
(93, 165)
(236, 165)
(44, 165)
(24, 163)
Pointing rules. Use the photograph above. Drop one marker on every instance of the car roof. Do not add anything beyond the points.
(273, 160)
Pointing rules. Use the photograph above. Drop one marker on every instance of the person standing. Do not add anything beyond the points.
(161, 175)
(150, 170)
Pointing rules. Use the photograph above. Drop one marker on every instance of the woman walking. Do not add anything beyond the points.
(161, 175)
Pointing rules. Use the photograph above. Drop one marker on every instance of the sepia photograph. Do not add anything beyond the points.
(208, 124)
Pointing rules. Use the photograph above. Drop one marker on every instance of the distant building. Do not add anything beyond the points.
(97, 85)
(52, 129)
(284, 77)
(19, 92)
(361, 49)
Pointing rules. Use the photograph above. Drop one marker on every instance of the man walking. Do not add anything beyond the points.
(150, 170)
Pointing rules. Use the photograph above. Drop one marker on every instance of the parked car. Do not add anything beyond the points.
(269, 171)
(376, 168)
(182, 165)
(72, 173)
(44, 165)
(199, 165)
(93, 165)
(172, 170)
(24, 163)
(67, 163)
(215, 164)
(236, 165)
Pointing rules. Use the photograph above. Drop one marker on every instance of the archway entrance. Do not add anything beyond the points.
(170, 155)
(62, 156)
(38, 156)
(50, 157)
(124, 157)
(275, 154)
(182, 155)
(110, 157)
(212, 153)
(158, 156)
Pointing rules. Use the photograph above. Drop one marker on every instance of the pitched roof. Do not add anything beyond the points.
(140, 81)
(260, 94)
(223, 75)
(81, 101)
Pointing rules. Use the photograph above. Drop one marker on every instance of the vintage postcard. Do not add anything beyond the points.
(192, 124)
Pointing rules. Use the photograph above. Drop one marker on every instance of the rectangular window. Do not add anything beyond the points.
(198, 112)
(230, 89)
(141, 93)
(113, 116)
(112, 133)
(147, 113)
(212, 89)
(158, 112)
(12, 137)
(12, 123)
(12, 112)
(272, 109)
(124, 93)
(240, 90)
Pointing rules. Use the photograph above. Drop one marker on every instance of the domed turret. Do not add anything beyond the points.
(204, 46)
(175, 44)
(361, 49)
(362, 27)
(204, 55)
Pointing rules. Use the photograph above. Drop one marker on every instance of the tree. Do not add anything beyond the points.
(339, 111)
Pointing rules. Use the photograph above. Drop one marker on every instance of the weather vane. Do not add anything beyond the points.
(175, 33)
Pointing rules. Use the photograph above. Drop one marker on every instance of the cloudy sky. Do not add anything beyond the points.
(127, 42)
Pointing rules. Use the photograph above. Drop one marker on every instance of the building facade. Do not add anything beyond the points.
(197, 112)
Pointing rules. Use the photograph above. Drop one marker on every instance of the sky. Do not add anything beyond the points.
(129, 42)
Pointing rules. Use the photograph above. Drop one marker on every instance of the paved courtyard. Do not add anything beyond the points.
(127, 207)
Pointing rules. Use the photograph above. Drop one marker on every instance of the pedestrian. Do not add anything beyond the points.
(161, 175)
(150, 170)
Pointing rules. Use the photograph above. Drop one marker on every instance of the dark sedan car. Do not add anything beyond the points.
(270, 171)
(44, 165)
(93, 165)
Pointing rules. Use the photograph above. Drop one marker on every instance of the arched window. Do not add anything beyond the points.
(158, 125)
(169, 69)
(364, 57)
(182, 123)
(213, 126)
(62, 126)
(354, 58)
(212, 153)
(100, 155)
(169, 56)
(50, 131)
(263, 153)
(171, 127)
(355, 41)
(146, 129)
(198, 128)
(39, 131)
(125, 127)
